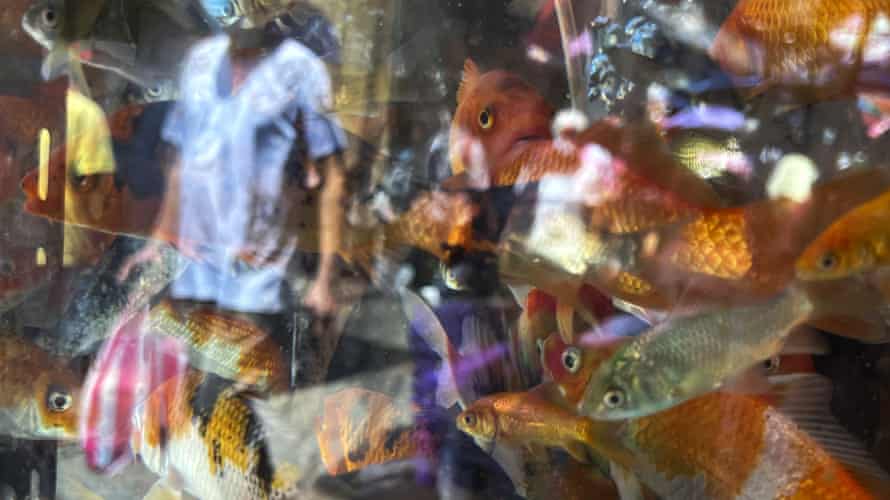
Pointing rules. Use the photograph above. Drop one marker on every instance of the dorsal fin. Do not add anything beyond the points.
(468, 79)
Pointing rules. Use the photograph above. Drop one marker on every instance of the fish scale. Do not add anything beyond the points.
(204, 433)
(231, 347)
(798, 42)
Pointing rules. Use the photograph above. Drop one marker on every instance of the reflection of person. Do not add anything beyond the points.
(237, 133)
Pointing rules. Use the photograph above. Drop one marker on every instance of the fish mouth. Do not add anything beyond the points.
(24, 422)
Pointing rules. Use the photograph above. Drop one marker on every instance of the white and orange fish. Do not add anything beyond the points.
(39, 393)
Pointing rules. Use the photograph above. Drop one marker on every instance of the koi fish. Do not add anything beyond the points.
(360, 427)
(854, 243)
(41, 393)
(128, 367)
(819, 49)
(229, 346)
(193, 429)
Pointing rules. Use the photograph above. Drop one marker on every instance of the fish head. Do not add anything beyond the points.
(479, 420)
(496, 112)
(44, 22)
(91, 200)
(627, 386)
(40, 393)
(570, 366)
(834, 254)
(129, 367)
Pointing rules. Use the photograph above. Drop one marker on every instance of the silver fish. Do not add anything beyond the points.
(689, 356)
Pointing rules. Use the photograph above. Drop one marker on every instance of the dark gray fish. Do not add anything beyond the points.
(100, 301)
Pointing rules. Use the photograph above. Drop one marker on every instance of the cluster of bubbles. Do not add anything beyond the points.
(638, 35)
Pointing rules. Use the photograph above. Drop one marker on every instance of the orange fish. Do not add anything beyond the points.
(230, 346)
(817, 48)
(510, 417)
(360, 427)
(721, 445)
(496, 112)
(40, 393)
(198, 428)
(856, 242)
(508, 122)
(704, 257)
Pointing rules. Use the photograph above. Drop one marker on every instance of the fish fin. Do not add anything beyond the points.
(290, 419)
(805, 399)
(510, 459)
(750, 381)
(805, 340)
(447, 394)
(162, 490)
(520, 292)
(468, 79)
(629, 487)
(579, 452)
(55, 63)
(430, 329)
(565, 318)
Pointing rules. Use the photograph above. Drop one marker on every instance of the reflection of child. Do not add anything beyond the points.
(236, 129)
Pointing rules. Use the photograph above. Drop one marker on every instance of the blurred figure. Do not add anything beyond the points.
(243, 132)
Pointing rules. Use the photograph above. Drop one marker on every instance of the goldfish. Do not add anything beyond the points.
(819, 49)
(852, 244)
(496, 112)
(510, 418)
(690, 458)
(41, 393)
(706, 257)
(360, 427)
(503, 124)
(688, 356)
(232, 347)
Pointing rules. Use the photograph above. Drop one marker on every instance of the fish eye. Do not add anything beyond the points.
(614, 398)
(153, 91)
(486, 119)
(571, 359)
(50, 19)
(772, 364)
(59, 401)
(84, 182)
(469, 420)
(828, 261)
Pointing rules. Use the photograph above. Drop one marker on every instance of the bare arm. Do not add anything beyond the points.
(320, 297)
